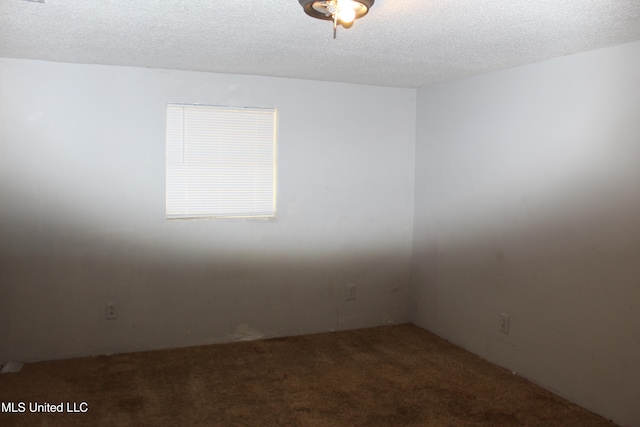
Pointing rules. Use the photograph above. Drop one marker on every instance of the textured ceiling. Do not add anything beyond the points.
(402, 43)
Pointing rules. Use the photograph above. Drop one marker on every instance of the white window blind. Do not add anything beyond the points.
(220, 162)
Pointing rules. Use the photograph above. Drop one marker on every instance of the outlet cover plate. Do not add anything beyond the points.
(505, 319)
(351, 292)
(111, 312)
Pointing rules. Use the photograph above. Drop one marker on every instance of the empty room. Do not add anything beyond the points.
(320, 213)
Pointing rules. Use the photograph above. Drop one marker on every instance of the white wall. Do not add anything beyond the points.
(82, 213)
(528, 203)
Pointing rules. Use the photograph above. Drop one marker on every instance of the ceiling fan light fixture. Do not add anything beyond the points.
(341, 12)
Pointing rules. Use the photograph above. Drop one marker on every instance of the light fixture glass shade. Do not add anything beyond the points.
(326, 9)
(347, 15)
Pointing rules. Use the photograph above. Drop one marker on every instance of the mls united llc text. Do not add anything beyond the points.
(68, 407)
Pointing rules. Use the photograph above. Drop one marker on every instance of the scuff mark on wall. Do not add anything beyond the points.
(390, 317)
(245, 333)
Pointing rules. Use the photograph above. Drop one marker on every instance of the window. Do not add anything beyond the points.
(220, 162)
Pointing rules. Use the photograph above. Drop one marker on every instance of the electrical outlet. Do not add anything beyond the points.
(111, 312)
(351, 292)
(504, 323)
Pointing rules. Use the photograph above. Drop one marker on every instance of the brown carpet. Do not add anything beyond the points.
(387, 376)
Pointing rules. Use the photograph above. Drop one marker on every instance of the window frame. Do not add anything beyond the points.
(269, 210)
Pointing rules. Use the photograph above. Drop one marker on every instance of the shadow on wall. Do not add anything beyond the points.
(548, 231)
(176, 288)
(564, 266)
(545, 230)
